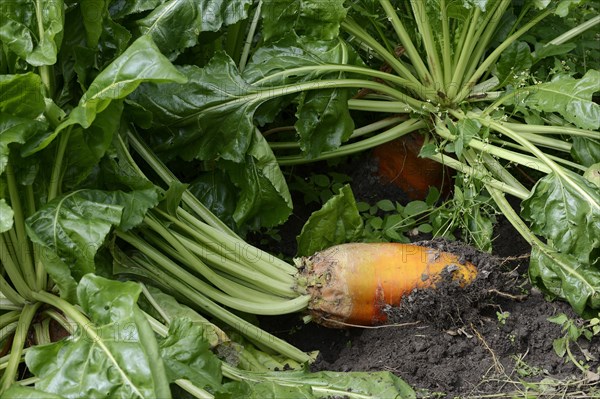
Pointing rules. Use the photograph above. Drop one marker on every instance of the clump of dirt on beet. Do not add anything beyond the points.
(449, 305)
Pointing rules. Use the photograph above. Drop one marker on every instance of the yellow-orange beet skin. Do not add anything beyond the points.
(355, 283)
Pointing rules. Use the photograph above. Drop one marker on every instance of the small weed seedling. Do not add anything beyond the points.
(502, 317)
(318, 188)
(573, 330)
(391, 221)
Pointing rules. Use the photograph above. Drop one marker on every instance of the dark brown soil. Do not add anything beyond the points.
(477, 344)
(483, 342)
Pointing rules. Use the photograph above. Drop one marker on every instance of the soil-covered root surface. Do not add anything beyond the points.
(491, 339)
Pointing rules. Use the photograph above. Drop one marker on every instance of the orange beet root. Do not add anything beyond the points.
(353, 284)
(399, 164)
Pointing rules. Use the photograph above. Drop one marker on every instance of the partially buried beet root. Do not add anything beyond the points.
(399, 164)
(354, 284)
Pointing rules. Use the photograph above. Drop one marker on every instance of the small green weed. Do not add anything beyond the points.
(573, 330)
(523, 369)
(392, 221)
(502, 317)
(468, 212)
(318, 188)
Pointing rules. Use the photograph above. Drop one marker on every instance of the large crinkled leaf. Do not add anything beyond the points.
(264, 198)
(21, 95)
(175, 310)
(337, 222)
(93, 13)
(176, 24)
(87, 146)
(74, 227)
(323, 119)
(71, 228)
(16, 130)
(291, 52)
(570, 97)
(187, 354)
(211, 116)
(317, 19)
(351, 385)
(116, 355)
(564, 276)
(141, 62)
(216, 191)
(135, 205)
(567, 214)
(585, 150)
(34, 36)
(544, 50)
(92, 41)
(267, 68)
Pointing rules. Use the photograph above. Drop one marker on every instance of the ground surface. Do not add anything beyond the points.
(493, 341)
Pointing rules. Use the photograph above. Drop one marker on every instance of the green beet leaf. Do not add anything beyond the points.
(93, 13)
(268, 62)
(466, 129)
(567, 214)
(264, 198)
(324, 384)
(31, 33)
(592, 174)
(187, 354)
(87, 146)
(16, 130)
(141, 62)
(570, 97)
(564, 6)
(317, 19)
(175, 310)
(164, 23)
(323, 118)
(563, 276)
(265, 390)
(514, 60)
(20, 392)
(21, 95)
(115, 355)
(585, 150)
(211, 116)
(72, 228)
(324, 121)
(337, 222)
(216, 191)
(242, 354)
